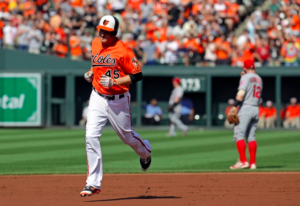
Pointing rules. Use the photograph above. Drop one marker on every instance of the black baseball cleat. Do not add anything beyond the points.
(145, 163)
(89, 191)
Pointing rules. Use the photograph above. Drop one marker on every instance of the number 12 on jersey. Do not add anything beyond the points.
(256, 91)
(116, 74)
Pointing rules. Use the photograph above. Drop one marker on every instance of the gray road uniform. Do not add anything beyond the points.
(248, 113)
(175, 115)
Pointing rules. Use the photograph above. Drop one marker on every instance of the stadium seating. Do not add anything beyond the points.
(186, 32)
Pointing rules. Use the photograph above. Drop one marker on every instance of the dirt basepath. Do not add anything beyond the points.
(220, 189)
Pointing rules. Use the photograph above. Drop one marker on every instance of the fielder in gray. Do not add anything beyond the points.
(175, 108)
(247, 99)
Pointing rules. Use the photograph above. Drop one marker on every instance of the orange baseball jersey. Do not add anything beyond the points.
(270, 112)
(262, 111)
(114, 61)
(293, 111)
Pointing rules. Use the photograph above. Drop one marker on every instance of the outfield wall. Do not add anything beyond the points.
(64, 90)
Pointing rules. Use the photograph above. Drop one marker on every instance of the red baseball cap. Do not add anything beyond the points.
(176, 79)
(249, 64)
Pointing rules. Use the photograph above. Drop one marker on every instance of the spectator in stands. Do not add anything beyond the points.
(35, 39)
(41, 23)
(29, 8)
(261, 116)
(75, 20)
(187, 111)
(190, 26)
(146, 10)
(194, 50)
(271, 115)
(178, 30)
(89, 19)
(275, 45)
(243, 39)
(9, 35)
(65, 6)
(223, 50)
(171, 51)
(263, 52)
(49, 42)
(56, 19)
(220, 6)
(158, 19)
(263, 24)
(230, 105)
(75, 46)
(210, 56)
(4, 12)
(232, 14)
(138, 50)
(290, 51)
(283, 112)
(22, 35)
(86, 42)
(102, 7)
(86, 39)
(173, 14)
(78, 6)
(83, 120)
(292, 116)
(274, 7)
(60, 47)
(118, 6)
(2, 25)
(153, 113)
(150, 52)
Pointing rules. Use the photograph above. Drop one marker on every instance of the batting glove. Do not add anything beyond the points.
(89, 76)
(107, 81)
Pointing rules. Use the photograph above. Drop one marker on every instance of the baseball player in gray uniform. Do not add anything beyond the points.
(247, 100)
(175, 108)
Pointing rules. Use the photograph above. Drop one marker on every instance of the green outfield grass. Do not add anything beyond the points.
(62, 151)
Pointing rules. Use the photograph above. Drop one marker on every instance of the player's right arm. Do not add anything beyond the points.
(240, 94)
(89, 75)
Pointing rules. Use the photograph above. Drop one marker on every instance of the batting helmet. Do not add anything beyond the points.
(109, 23)
(249, 64)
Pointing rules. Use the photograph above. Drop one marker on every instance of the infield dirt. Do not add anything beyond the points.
(220, 189)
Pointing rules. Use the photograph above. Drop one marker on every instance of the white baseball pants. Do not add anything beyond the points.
(118, 113)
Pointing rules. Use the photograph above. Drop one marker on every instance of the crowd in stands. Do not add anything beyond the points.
(189, 32)
(289, 115)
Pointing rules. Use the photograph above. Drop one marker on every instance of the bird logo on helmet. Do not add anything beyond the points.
(109, 23)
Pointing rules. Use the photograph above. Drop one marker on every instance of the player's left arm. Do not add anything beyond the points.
(129, 79)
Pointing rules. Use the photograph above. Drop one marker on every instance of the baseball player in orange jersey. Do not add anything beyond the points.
(114, 67)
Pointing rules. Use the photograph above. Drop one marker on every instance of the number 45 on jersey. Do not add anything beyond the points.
(115, 75)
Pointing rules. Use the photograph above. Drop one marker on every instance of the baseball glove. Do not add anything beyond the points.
(232, 117)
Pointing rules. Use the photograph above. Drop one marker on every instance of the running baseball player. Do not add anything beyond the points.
(246, 115)
(114, 67)
(175, 108)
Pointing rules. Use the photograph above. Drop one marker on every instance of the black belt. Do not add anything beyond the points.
(114, 97)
